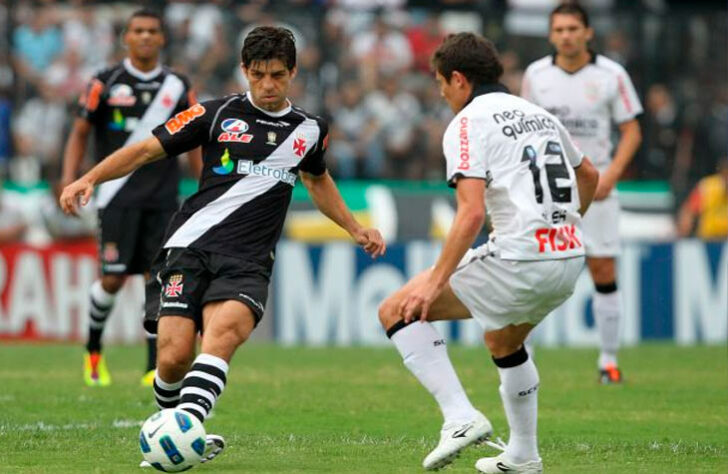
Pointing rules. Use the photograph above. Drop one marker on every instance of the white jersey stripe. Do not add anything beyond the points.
(245, 190)
(157, 113)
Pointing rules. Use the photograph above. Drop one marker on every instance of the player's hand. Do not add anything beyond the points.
(371, 241)
(605, 186)
(419, 298)
(78, 192)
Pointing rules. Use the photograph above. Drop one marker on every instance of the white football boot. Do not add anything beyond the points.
(500, 463)
(214, 444)
(456, 437)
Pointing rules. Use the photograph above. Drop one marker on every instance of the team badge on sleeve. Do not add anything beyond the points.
(174, 286)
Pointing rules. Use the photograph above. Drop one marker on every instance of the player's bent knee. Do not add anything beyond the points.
(112, 283)
(388, 313)
(173, 362)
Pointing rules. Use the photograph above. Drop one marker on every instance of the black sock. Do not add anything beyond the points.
(151, 352)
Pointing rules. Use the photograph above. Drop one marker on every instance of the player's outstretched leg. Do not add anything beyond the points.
(424, 353)
(519, 393)
(228, 324)
(102, 296)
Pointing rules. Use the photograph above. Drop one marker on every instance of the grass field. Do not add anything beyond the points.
(359, 410)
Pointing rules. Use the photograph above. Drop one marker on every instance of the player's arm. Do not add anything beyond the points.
(468, 222)
(630, 138)
(325, 195)
(120, 163)
(75, 150)
(587, 179)
(194, 158)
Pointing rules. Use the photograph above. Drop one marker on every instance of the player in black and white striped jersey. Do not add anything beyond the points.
(214, 270)
(122, 104)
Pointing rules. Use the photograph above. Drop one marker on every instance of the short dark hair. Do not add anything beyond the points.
(145, 13)
(269, 42)
(570, 8)
(474, 56)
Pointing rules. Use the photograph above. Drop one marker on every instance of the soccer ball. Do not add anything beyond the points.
(172, 440)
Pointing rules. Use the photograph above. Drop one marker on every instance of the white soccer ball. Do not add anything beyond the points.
(172, 440)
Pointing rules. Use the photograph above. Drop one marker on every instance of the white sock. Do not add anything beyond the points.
(519, 392)
(424, 353)
(607, 311)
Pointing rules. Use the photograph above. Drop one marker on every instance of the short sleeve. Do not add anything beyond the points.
(186, 130)
(314, 162)
(464, 150)
(91, 99)
(625, 103)
(572, 153)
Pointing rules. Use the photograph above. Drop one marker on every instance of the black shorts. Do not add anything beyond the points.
(129, 239)
(184, 280)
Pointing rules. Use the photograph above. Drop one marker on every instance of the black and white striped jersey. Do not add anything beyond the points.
(251, 159)
(124, 105)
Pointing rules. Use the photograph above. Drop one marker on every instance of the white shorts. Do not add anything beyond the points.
(502, 292)
(600, 227)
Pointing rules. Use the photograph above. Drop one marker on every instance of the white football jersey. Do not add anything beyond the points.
(586, 101)
(527, 159)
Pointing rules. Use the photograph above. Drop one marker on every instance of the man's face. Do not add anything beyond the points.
(269, 83)
(455, 91)
(144, 38)
(569, 35)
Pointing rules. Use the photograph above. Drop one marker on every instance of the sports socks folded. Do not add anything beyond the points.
(203, 385)
(102, 303)
(519, 392)
(424, 353)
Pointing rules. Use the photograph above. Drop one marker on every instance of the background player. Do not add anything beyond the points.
(538, 187)
(219, 248)
(122, 105)
(588, 92)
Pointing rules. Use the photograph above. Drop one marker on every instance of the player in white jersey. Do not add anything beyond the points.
(518, 158)
(589, 92)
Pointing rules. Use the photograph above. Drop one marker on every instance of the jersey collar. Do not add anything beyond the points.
(592, 60)
(487, 89)
(144, 76)
(285, 111)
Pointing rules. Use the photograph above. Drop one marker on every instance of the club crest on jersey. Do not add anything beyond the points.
(180, 121)
(299, 146)
(174, 286)
(121, 95)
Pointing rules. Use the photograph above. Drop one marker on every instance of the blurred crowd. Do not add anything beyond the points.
(364, 65)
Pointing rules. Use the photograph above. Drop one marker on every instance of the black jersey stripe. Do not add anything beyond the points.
(283, 158)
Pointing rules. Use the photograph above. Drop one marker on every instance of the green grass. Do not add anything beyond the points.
(359, 410)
